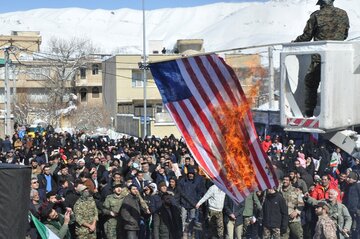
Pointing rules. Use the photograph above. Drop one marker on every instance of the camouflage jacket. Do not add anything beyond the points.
(337, 212)
(328, 23)
(325, 228)
(112, 203)
(294, 201)
(85, 212)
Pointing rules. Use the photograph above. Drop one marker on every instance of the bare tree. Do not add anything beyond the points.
(89, 118)
(22, 108)
(56, 71)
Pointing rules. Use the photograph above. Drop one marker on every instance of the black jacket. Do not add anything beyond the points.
(42, 182)
(230, 207)
(168, 226)
(352, 198)
(130, 213)
(191, 192)
(275, 211)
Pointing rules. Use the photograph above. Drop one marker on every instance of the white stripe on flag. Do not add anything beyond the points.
(219, 85)
(214, 88)
(207, 92)
(214, 127)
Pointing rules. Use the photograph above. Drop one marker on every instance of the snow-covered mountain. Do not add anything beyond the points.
(221, 25)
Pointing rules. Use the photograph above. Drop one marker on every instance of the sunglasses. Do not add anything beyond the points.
(35, 182)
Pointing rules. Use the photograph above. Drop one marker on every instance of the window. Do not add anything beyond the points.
(125, 108)
(95, 69)
(160, 108)
(39, 73)
(2, 95)
(83, 95)
(137, 78)
(37, 95)
(95, 92)
(82, 73)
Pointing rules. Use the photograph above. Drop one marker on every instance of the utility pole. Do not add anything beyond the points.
(7, 94)
(144, 70)
(14, 87)
(271, 77)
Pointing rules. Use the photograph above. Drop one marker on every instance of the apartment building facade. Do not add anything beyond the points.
(33, 75)
(124, 92)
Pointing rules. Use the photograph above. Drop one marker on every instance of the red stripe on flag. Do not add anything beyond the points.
(214, 89)
(209, 127)
(188, 139)
(204, 96)
(230, 92)
(257, 155)
(204, 143)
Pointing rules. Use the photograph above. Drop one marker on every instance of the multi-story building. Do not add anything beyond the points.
(34, 77)
(124, 96)
(124, 92)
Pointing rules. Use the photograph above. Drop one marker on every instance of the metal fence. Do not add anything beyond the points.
(131, 125)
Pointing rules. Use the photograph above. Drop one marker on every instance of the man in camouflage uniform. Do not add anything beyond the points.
(328, 23)
(111, 209)
(325, 227)
(337, 212)
(295, 204)
(86, 215)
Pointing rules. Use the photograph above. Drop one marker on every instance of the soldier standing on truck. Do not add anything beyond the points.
(328, 23)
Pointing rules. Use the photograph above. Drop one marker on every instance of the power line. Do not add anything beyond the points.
(103, 72)
(354, 38)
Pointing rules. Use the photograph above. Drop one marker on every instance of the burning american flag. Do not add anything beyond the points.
(206, 101)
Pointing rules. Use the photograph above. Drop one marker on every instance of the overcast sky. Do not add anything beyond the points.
(21, 5)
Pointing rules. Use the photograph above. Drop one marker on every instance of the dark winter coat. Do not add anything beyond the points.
(324, 155)
(305, 176)
(191, 192)
(351, 198)
(230, 207)
(42, 182)
(70, 198)
(275, 211)
(130, 213)
(156, 202)
(158, 178)
(176, 193)
(167, 226)
(6, 145)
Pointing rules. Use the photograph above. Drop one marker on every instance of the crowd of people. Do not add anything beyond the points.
(94, 187)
